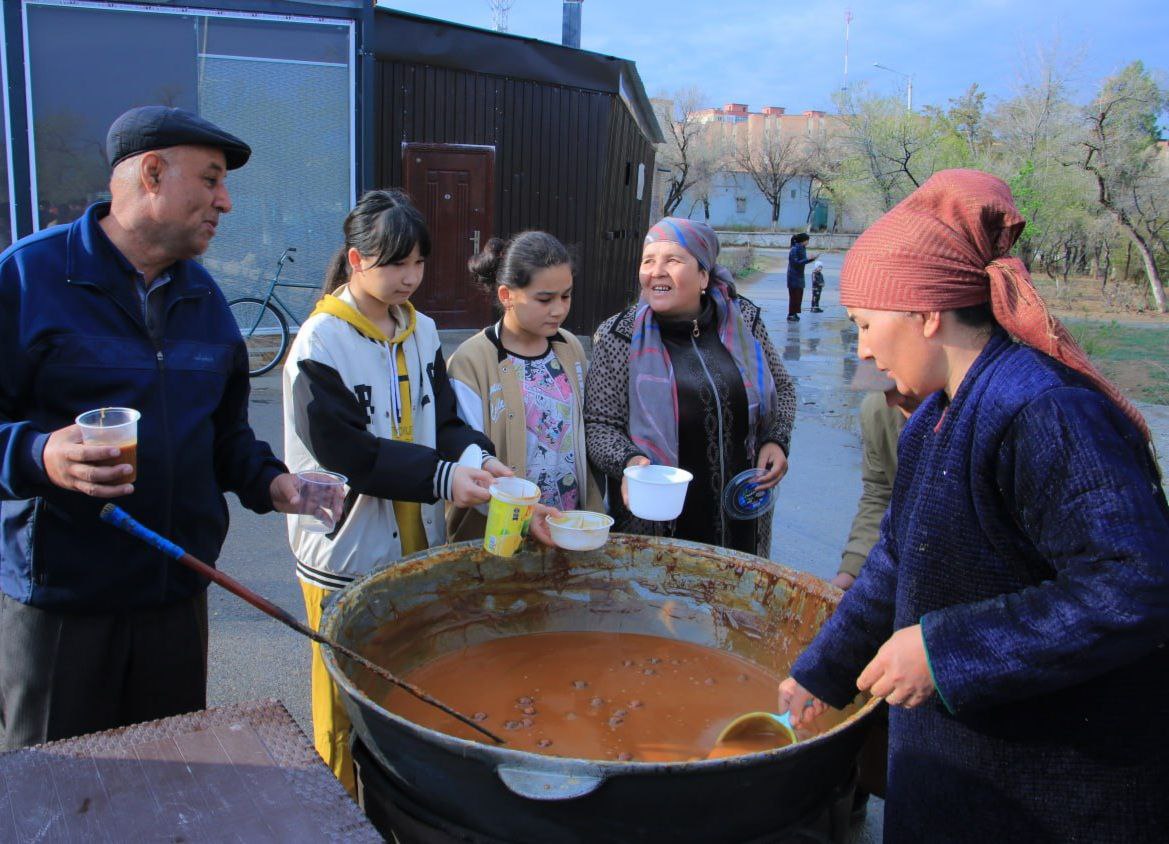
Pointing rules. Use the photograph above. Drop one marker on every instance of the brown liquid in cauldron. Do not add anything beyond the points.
(613, 696)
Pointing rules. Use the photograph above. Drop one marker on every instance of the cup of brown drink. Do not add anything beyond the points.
(115, 427)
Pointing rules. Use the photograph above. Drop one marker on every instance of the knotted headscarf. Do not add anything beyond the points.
(946, 246)
(653, 392)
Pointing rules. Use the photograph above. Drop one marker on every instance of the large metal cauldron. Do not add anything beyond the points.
(436, 602)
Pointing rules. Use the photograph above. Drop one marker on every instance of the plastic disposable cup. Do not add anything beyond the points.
(509, 515)
(322, 495)
(113, 426)
(657, 493)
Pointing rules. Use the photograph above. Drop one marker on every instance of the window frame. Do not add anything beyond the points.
(114, 7)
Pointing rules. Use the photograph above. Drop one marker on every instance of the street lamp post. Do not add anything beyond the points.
(908, 84)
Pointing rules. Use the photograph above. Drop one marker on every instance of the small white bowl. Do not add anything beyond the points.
(657, 493)
(580, 530)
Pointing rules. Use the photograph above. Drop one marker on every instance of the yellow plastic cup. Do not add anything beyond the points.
(509, 515)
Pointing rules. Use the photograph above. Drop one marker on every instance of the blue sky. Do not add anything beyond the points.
(765, 52)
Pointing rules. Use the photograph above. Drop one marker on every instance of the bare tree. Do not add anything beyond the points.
(887, 152)
(771, 159)
(1119, 150)
(688, 149)
(823, 164)
(708, 164)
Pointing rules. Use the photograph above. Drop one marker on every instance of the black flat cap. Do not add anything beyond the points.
(157, 127)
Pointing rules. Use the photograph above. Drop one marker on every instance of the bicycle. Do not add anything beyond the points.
(264, 325)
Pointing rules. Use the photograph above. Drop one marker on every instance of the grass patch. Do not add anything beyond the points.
(1136, 359)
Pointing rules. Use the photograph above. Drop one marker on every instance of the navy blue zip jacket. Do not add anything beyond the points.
(797, 258)
(73, 338)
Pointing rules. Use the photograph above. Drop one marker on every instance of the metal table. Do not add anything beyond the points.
(242, 773)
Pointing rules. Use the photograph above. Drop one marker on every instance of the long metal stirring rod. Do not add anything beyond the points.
(119, 518)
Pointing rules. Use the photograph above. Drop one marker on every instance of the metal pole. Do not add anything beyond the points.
(908, 84)
(847, 23)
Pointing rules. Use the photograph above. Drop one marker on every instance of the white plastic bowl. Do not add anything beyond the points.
(580, 530)
(657, 493)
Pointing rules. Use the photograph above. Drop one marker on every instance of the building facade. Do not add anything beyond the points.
(727, 196)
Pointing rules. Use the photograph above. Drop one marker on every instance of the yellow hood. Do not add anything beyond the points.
(341, 309)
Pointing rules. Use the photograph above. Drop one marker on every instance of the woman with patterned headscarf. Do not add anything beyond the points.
(1014, 613)
(688, 378)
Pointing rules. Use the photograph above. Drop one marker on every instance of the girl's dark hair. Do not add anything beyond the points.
(800, 237)
(512, 264)
(976, 316)
(384, 226)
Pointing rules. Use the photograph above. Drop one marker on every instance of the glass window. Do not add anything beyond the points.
(283, 86)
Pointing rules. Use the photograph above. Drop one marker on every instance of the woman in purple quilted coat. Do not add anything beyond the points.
(1015, 612)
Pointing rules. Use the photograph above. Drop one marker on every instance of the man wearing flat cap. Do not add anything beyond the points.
(96, 629)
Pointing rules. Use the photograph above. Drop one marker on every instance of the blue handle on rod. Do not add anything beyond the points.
(114, 515)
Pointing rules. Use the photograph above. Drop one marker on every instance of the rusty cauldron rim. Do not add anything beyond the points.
(536, 761)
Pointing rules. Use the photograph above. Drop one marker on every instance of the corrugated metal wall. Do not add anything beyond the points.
(561, 159)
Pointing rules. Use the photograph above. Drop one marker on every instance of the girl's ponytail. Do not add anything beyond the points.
(338, 270)
(512, 264)
(484, 267)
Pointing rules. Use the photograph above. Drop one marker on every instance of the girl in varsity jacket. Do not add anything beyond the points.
(366, 395)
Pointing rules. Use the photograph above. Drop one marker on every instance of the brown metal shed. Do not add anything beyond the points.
(493, 134)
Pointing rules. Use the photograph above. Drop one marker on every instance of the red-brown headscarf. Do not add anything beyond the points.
(946, 246)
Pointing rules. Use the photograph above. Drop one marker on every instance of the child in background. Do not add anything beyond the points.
(817, 286)
(521, 380)
(366, 395)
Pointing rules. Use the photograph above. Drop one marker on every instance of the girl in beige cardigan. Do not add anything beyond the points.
(521, 380)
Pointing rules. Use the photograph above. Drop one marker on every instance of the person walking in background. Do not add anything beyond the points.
(797, 259)
(366, 395)
(522, 380)
(1014, 613)
(689, 378)
(817, 286)
(98, 630)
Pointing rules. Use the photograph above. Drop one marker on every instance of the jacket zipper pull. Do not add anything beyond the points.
(694, 331)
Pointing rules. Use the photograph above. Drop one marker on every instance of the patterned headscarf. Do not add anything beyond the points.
(653, 393)
(946, 246)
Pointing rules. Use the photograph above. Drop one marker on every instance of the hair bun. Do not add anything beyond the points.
(484, 267)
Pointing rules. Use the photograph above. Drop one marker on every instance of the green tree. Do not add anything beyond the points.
(965, 119)
(1119, 150)
(886, 152)
(1028, 136)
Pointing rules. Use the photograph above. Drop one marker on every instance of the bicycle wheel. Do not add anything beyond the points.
(265, 331)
